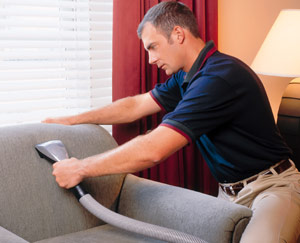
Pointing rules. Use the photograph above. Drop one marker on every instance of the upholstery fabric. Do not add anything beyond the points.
(28, 190)
(164, 205)
(9, 237)
(100, 234)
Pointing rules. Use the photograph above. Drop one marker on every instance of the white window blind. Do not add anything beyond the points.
(55, 58)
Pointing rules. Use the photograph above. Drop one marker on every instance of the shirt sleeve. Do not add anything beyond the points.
(208, 103)
(167, 95)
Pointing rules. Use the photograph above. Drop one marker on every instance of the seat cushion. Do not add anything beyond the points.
(104, 233)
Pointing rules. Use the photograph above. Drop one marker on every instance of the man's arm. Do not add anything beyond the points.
(142, 152)
(121, 111)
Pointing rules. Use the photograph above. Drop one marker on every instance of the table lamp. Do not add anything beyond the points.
(279, 55)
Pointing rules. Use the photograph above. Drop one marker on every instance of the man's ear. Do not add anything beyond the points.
(178, 34)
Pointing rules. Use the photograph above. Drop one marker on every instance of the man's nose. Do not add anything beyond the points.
(152, 59)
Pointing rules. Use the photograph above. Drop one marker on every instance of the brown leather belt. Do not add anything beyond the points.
(234, 188)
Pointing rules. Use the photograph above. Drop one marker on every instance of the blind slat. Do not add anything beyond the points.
(47, 74)
(45, 3)
(103, 5)
(50, 54)
(78, 44)
(48, 23)
(44, 34)
(44, 64)
(23, 85)
(30, 105)
(55, 13)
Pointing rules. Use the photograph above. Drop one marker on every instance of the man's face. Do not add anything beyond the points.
(162, 52)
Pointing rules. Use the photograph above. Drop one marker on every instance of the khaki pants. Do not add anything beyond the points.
(275, 202)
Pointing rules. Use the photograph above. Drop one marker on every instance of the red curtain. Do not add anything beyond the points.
(133, 75)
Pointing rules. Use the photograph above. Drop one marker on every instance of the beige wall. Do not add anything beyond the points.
(243, 25)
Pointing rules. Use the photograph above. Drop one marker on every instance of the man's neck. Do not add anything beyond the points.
(193, 49)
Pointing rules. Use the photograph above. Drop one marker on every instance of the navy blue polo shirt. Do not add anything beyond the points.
(221, 105)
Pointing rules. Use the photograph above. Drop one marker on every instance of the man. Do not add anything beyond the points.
(215, 101)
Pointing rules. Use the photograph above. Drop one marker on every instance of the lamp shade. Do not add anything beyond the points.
(279, 54)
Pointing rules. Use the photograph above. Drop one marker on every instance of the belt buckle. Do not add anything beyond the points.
(232, 191)
(229, 190)
(268, 172)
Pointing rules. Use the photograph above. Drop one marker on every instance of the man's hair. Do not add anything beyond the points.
(166, 15)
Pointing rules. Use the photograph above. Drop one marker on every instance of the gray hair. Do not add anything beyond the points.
(166, 15)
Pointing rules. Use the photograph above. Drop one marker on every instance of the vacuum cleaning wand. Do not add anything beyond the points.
(54, 151)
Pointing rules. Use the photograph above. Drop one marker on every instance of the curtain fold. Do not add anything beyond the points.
(133, 75)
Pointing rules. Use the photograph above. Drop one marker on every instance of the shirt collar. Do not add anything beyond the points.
(205, 53)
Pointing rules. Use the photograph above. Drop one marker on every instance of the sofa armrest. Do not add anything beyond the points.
(9, 237)
(207, 217)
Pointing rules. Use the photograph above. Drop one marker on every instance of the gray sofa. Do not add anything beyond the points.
(35, 209)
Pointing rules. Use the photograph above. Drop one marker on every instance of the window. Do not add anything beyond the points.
(55, 58)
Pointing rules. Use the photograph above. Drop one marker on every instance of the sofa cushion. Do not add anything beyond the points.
(100, 234)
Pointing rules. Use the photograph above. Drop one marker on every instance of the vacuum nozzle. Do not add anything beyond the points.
(54, 151)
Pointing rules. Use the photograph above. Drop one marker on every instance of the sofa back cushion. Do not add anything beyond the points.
(33, 206)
